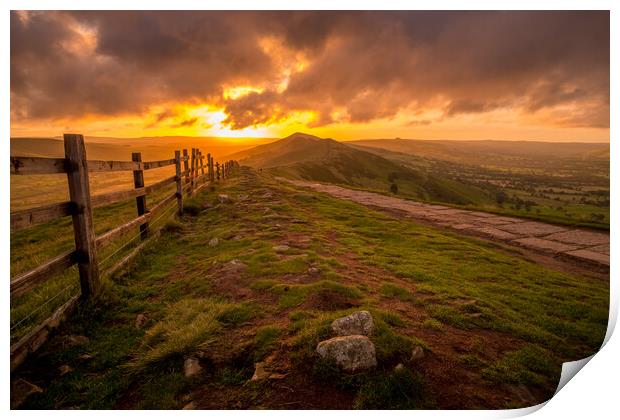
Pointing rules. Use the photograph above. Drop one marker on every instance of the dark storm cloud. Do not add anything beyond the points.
(368, 65)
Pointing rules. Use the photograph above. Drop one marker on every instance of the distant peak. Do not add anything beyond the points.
(299, 135)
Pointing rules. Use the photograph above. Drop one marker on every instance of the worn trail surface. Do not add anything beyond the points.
(564, 242)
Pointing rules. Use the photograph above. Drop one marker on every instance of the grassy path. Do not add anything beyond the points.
(494, 327)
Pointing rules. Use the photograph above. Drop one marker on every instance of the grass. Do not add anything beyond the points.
(274, 308)
(187, 324)
(530, 365)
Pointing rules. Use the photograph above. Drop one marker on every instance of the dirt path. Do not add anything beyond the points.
(562, 242)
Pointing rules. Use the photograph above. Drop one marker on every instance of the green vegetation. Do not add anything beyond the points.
(241, 302)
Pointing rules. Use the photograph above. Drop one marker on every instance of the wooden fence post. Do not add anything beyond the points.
(138, 182)
(83, 230)
(202, 165)
(186, 166)
(211, 174)
(193, 171)
(217, 166)
(179, 181)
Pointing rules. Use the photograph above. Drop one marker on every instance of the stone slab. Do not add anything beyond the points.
(544, 245)
(494, 233)
(532, 229)
(603, 249)
(580, 237)
(590, 256)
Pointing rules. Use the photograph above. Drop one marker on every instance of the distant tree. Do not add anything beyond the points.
(394, 188)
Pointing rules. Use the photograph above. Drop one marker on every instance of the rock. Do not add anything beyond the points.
(281, 248)
(399, 367)
(357, 323)
(417, 353)
(191, 367)
(223, 198)
(277, 376)
(85, 357)
(190, 406)
(141, 320)
(313, 271)
(351, 353)
(20, 391)
(214, 242)
(74, 340)
(235, 266)
(260, 372)
(64, 369)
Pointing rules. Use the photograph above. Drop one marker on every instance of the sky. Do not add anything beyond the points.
(345, 75)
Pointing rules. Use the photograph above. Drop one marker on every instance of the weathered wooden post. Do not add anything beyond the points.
(186, 166)
(138, 182)
(179, 181)
(217, 166)
(83, 230)
(193, 171)
(211, 172)
(202, 165)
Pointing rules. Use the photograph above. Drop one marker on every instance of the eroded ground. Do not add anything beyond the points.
(494, 327)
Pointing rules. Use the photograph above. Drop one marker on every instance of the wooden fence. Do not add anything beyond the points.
(192, 173)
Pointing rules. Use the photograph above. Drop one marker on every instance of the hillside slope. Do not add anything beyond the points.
(307, 157)
(492, 325)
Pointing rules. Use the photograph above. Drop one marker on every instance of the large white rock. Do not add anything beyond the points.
(357, 323)
(351, 353)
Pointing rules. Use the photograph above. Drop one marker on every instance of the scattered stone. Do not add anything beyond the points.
(357, 323)
(235, 266)
(313, 271)
(85, 357)
(64, 369)
(351, 353)
(260, 372)
(417, 353)
(223, 198)
(141, 319)
(242, 197)
(237, 237)
(399, 367)
(190, 406)
(191, 367)
(281, 248)
(214, 242)
(74, 340)
(21, 390)
(277, 376)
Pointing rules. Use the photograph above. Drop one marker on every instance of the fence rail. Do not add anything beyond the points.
(80, 207)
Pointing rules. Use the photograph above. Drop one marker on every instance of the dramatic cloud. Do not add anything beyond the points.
(352, 67)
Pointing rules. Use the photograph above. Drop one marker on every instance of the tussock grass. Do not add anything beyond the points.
(187, 324)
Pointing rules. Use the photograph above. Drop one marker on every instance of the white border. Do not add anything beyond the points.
(592, 394)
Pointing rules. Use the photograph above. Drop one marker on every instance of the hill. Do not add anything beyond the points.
(303, 156)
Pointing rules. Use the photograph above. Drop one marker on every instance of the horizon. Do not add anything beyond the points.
(457, 76)
(87, 137)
